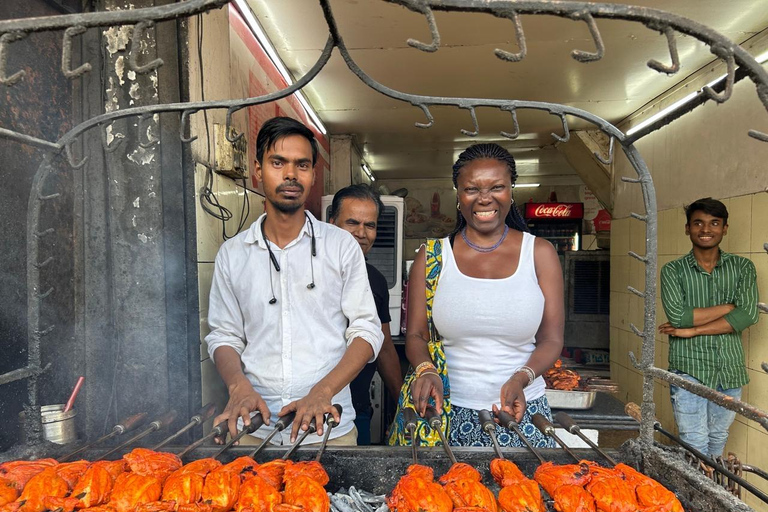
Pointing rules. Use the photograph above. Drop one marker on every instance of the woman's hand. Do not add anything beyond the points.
(428, 385)
(512, 396)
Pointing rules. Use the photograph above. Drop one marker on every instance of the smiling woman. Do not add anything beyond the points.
(495, 295)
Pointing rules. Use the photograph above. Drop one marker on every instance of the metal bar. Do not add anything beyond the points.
(29, 140)
(22, 373)
(730, 403)
(110, 18)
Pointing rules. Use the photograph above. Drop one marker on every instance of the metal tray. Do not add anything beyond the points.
(570, 399)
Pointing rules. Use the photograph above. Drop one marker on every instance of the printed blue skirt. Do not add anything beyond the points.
(466, 430)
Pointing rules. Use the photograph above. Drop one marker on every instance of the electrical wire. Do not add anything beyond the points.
(208, 200)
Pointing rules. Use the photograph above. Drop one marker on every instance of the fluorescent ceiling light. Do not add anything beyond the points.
(527, 185)
(679, 103)
(266, 44)
(368, 172)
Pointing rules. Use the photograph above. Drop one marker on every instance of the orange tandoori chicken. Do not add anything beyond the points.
(523, 496)
(185, 485)
(463, 486)
(417, 492)
(306, 492)
(258, 495)
(506, 472)
(561, 378)
(44, 484)
(611, 491)
(551, 476)
(650, 493)
(19, 472)
(312, 469)
(151, 463)
(221, 489)
(8, 491)
(573, 498)
(273, 472)
(132, 489)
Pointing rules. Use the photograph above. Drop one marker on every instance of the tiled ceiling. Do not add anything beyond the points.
(465, 65)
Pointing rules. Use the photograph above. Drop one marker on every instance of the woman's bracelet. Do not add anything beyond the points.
(426, 365)
(529, 372)
(428, 371)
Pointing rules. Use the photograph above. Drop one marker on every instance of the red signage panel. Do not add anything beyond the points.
(554, 210)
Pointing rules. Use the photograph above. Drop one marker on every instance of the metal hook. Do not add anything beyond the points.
(71, 157)
(763, 137)
(5, 40)
(672, 44)
(581, 55)
(116, 141)
(427, 11)
(230, 111)
(184, 122)
(133, 56)
(519, 36)
(567, 135)
(66, 54)
(474, 122)
(516, 134)
(429, 117)
(729, 79)
(609, 161)
(150, 141)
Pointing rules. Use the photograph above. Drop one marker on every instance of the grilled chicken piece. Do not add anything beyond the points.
(44, 484)
(573, 498)
(613, 494)
(195, 507)
(93, 488)
(8, 491)
(100, 508)
(221, 489)
(273, 472)
(461, 471)
(151, 463)
(19, 472)
(307, 493)
(471, 493)
(183, 489)
(312, 469)
(245, 467)
(157, 506)
(72, 471)
(523, 496)
(202, 466)
(650, 493)
(113, 467)
(132, 490)
(506, 472)
(551, 476)
(561, 378)
(258, 495)
(417, 492)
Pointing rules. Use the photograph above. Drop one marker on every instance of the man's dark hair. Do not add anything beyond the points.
(709, 206)
(490, 151)
(279, 127)
(361, 191)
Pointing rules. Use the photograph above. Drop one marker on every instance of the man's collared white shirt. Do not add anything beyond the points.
(288, 346)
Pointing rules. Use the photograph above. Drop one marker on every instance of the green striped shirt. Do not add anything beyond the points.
(715, 360)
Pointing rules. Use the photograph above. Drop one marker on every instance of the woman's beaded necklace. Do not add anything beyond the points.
(484, 249)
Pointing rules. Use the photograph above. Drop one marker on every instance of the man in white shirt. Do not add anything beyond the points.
(291, 312)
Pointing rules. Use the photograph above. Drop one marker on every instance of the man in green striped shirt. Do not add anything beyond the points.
(709, 297)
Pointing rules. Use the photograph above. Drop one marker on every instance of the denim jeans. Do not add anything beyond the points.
(701, 423)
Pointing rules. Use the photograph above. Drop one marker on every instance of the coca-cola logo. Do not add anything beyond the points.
(560, 210)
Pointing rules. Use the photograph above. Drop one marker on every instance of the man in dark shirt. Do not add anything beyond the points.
(356, 209)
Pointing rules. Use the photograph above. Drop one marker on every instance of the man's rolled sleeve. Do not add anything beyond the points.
(224, 316)
(745, 314)
(357, 299)
(679, 315)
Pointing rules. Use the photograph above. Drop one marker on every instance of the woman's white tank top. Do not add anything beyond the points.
(488, 327)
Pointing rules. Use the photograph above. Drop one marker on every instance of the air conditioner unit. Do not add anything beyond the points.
(387, 252)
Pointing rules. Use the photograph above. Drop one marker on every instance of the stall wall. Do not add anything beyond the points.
(233, 66)
(705, 153)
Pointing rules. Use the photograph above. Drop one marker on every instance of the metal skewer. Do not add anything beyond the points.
(548, 429)
(330, 422)
(161, 422)
(121, 428)
(198, 419)
(436, 422)
(216, 431)
(489, 426)
(311, 430)
(568, 424)
(410, 419)
(633, 410)
(256, 422)
(280, 424)
(508, 421)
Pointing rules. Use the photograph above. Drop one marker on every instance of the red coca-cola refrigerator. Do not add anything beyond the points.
(560, 223)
